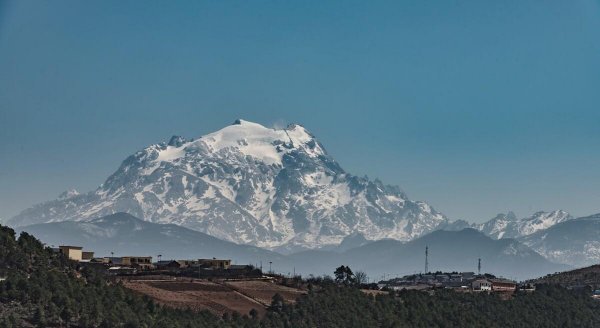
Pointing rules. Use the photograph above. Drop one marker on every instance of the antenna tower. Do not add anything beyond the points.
(426, 259)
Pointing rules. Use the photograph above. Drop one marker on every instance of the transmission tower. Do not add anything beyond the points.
(426, 259)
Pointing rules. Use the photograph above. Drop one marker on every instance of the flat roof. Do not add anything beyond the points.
(214, 260)
(72, 247)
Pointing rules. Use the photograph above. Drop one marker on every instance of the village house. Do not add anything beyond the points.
(214, 263)
(168, 265)
(72, 252)
(111, 260)
(481, 285)
(503, 285)
(456, 277)
(427, 277)
(186, 263)
(142, 262)
(442, 277)
(468, 275)
(87, 256)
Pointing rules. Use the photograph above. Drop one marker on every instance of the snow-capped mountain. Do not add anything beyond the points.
(509, 226)
(575, 242)
(274, 188)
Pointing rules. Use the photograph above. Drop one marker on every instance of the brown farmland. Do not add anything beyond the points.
(217, 297)
(263, 291)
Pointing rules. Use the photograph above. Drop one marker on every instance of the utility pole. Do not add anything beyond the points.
(479, 266)
(270, 271)
(426, 259)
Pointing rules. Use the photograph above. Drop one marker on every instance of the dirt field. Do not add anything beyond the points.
(263, 291)
(239, 296)
(374, 292)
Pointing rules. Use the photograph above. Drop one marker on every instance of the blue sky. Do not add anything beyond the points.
(477, 107)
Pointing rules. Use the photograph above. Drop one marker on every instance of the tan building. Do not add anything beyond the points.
(186, 263)
(72, 252)
(214, 263)
(142, 262)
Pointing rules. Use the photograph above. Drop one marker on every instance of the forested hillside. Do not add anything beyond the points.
(44, 289)
(588, 276)
(550, 306)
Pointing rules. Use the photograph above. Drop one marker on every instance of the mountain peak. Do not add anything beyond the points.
(249, 184)
(68, 194)
(509, 226)
(177, 141)
(242, 122)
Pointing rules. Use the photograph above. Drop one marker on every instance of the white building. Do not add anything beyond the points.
(481, 285)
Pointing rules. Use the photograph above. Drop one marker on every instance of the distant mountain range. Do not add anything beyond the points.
(448, 251)
(124, 234)
(273, 188)
(279, 189)
(575, 242)
(509, 226)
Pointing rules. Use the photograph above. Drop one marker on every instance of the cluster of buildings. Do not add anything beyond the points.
(466, 281)
(124, 265)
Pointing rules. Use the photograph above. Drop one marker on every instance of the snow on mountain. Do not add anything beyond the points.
(509, 226)
(274, 188)
(68, 194)
(574, 242)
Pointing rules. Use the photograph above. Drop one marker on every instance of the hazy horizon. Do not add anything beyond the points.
(475, 108)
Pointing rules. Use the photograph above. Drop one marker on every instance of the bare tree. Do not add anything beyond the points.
(361, 277)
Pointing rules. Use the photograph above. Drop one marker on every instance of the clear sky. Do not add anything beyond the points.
(477, 107)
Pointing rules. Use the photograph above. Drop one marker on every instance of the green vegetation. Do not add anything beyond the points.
(588, 276)
(550, 306)
(46, 290)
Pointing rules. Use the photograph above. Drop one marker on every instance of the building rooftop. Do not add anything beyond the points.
(72, 247)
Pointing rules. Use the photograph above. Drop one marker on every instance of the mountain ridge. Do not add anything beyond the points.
(125, 234)
(273, 188)
(508, 225)
(574, 242)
